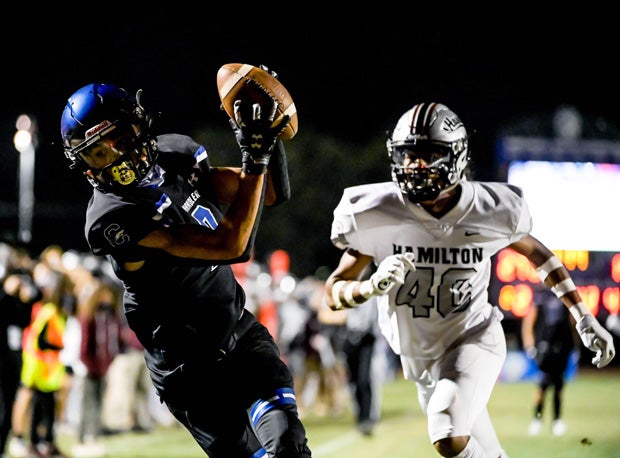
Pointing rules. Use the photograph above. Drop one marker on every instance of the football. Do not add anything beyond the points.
(253, 84)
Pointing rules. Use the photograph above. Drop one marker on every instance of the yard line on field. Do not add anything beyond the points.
(330, 447)
(327, 448)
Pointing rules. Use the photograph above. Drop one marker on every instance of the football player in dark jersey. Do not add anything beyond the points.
(171, 225)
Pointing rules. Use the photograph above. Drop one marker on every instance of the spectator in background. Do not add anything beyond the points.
(549, 339)
(320, 379)
(128, 388)
(17, 295)
(99, 317)
(363, 351)
(53, 257)
(42, 370)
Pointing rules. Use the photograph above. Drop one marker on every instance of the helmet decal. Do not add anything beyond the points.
(98, 128)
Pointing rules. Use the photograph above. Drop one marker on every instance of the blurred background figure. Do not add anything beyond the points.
(17, 295)
(314, 353)
(100, 324)
(128, 388)
(43, 372)
(366, 358)
(549, 339)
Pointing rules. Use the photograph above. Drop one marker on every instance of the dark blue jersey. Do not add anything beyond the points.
(181, 309)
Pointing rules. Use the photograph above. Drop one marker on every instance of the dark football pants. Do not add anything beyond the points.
(230, 404)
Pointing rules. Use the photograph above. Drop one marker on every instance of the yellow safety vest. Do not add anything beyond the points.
(42, 369)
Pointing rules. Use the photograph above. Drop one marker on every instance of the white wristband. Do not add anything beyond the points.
(548, 266)
(366, 289)
(348, 295)
(336, 293)
(579, 310)
(565, 286)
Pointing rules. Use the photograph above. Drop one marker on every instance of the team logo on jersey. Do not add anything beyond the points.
(115, 235)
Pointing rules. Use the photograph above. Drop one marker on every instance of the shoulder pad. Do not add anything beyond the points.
(355, 201)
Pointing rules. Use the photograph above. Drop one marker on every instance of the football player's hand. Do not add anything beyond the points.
(596, 338)
(256, 136)
(390, 272)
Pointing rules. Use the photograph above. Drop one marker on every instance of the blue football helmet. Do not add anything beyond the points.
(429, 151)
(106, 134)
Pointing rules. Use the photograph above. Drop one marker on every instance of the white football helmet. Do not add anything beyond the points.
(435, 141)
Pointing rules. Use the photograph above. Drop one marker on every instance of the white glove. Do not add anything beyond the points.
(596, 338)
(391, 271)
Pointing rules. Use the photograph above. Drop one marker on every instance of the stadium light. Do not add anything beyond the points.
(25, 141)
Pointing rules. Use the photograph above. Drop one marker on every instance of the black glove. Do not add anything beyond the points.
(256, 136)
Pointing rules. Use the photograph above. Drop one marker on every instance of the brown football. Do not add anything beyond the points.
(253, 84)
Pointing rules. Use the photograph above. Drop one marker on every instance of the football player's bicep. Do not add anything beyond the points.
(225, 183)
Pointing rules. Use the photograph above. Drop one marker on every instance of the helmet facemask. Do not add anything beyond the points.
(114, 156)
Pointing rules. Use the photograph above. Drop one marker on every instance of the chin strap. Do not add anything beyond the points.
(278, 169)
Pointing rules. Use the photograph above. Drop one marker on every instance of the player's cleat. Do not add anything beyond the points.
(558, 428)
(535, 427)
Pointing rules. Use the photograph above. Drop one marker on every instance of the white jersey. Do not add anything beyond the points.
(446, 297)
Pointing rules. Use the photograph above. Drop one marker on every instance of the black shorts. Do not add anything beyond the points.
(218, 389)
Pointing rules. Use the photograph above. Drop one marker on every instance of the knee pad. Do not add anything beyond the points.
(440, 424)
(443, 397)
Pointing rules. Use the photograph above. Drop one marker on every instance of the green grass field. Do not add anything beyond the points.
(591, 411)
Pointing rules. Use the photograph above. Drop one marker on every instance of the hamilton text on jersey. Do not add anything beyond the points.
(442, 255)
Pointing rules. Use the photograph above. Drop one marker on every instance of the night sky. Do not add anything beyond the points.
(350, 81)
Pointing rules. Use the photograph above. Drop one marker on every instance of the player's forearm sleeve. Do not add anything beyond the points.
(278, 169)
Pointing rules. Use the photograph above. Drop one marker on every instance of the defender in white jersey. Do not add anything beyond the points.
(431, 234)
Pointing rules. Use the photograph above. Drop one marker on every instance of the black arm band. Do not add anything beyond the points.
(278, 169)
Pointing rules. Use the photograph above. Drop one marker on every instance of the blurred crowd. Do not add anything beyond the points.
(69, 363)
(68, 360)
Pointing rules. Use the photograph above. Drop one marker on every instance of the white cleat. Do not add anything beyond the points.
(535, 427)
(558, 428)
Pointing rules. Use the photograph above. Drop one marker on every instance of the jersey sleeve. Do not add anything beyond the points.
(524, 222)
(343, 225)
(361, 210)
(118, 231)
(183, 155)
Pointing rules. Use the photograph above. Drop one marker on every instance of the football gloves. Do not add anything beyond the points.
(597, 339)
(256, 136)
(391, 271)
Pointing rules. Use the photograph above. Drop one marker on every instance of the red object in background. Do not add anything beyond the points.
(279, 266)
(240, 270)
